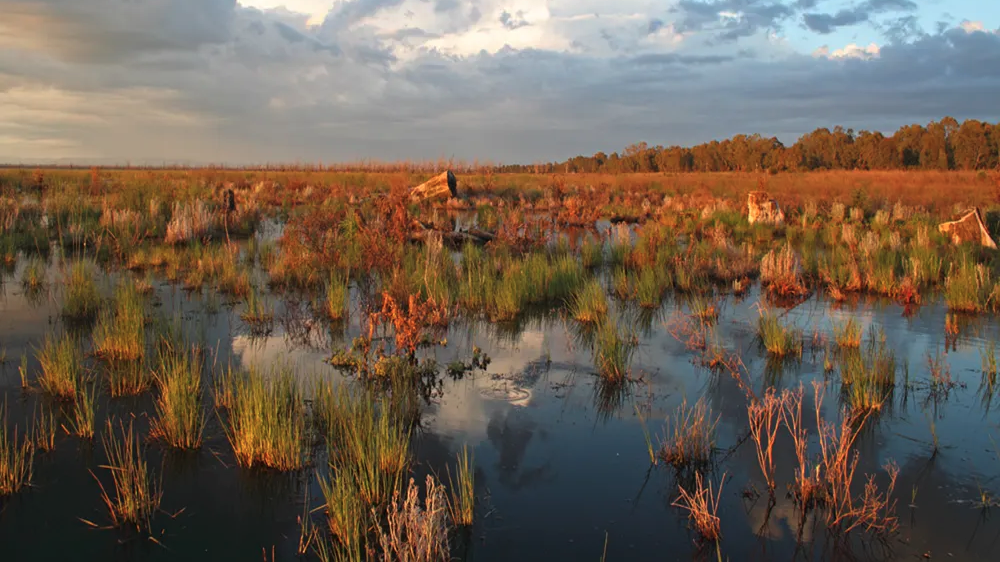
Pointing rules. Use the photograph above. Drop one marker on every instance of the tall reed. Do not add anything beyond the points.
(462, 498)
(120, 331)
(590, 304)
(180, 421)
(690, 436)
(266, 423)
(16, 458)
(62, 366)
(613, 350)
(82, 300)
(137, 493)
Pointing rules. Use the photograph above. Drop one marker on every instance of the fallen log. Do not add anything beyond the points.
(443, 186)
(968, 227)
(761, 208)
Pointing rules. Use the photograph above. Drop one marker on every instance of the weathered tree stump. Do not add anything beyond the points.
(761, 208)
(968, 227)
(443, 186)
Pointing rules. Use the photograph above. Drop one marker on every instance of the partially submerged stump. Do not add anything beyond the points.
(442, 186)
(968, 227)
(761, 208)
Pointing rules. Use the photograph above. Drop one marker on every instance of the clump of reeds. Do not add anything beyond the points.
(415, 532)
(188, 221)
(781, 273)
(17, 458)
(33, 276)
(702, 506)
(335, 304)
(590, 304)
(129, 378)
(266, 422)
(137, 493)
(82, 300)
(869, 374)
(372, 443)
(180, 421)
(258, 313)
(225, 384)
(704, 309)
(84, 412)
(462, 499)
(778, 339)
(348, 518)
(120, 331)
(690, 436)
(613, 349)
(43, 434)
(847, 334)
(968, 286)
(62, 366)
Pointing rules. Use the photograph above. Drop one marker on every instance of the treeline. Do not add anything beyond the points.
(944, 145)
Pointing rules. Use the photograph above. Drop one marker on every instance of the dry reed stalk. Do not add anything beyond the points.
(415, 533)
(702, 507)
(765, 420)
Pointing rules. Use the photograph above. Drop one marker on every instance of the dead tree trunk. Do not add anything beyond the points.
(440, 187)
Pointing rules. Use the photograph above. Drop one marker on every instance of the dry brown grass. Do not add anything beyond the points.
(415, 532)
(702, 506)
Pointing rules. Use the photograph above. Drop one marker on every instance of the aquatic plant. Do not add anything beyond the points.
(266, 423)
(968, 286)
(590, 304)
(780, 273)
(848, 333)
(84, 413)
(462, 496)
(689, 438)
(258, 313)
(120, 331)
(33, 276)
(82, 300)
(778, 339)
(16, 458)
(869, 375)
(416, 531)
(188, 221)
(613, 349)
(62, 366)
(43, 434)
(348, 518)
(179, 421)
(765, 417)
(702, 505)
(335, 305)
(137, 494)
(128, 378)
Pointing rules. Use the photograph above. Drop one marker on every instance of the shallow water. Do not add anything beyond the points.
(562, 469)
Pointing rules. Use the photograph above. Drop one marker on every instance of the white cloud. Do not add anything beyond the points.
(850, 51)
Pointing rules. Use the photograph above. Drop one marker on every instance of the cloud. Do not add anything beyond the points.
(513, 22)
(850, 51)
(217, 81)
(828, 23)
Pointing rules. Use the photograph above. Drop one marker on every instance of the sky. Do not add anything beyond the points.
(515, 81)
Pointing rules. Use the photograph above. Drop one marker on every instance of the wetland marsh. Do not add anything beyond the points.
(626, 370)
